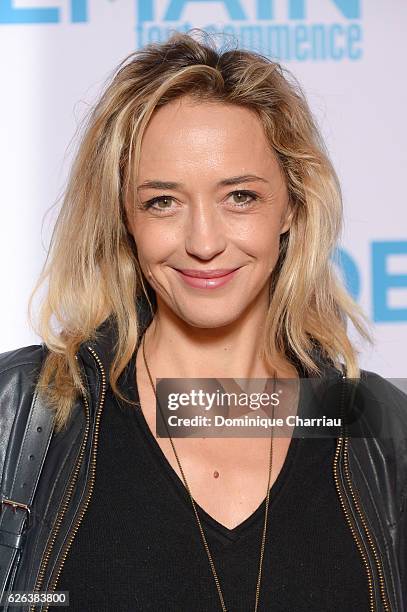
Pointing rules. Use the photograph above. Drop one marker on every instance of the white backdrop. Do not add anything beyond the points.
(349, 56)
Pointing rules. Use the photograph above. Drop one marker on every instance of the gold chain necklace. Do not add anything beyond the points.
(263, 540)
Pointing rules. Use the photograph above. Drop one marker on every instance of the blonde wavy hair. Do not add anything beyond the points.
(91, 269)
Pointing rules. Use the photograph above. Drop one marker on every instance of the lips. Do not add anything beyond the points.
(207, 273)
(207, 279)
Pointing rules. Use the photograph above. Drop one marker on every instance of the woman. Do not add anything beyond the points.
(194, 241)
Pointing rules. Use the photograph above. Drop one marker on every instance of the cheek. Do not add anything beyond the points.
(260, 237)
(154, 241)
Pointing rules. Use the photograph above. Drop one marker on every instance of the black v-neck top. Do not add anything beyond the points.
(138, 547)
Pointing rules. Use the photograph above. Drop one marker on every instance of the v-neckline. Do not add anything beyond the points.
(224, 532)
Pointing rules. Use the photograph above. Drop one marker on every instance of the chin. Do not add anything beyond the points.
(206, 320)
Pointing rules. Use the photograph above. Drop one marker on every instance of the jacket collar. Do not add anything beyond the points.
(105, 338)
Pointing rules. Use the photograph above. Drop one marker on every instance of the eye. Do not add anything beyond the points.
(245, 194)
(153, 203)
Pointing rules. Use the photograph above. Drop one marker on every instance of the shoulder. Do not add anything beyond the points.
(19, 371)
(384, 404)
(20, 357)
(384, 452)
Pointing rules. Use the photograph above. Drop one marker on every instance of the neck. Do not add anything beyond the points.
(181, 350)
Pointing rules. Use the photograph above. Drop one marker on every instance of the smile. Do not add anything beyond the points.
(213, 280)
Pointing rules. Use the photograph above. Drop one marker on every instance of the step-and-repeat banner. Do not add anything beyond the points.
(350, 58)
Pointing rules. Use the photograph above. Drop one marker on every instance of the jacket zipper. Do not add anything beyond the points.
(372, 605)
(379, 566)
(343, 441)
(72, 533)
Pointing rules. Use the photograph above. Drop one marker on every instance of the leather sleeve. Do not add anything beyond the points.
(402, 548)
(18, 374)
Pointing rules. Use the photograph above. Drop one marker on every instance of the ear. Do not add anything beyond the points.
(126, 218)
(127, 207)
(287, 219)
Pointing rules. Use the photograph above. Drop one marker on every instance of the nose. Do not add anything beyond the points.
(205, 235)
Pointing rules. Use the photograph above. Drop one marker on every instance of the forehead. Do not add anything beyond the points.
(187, 135)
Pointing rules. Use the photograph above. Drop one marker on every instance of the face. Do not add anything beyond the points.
(212, 201)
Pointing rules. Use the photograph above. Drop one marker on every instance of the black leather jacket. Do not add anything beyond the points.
(370, 475)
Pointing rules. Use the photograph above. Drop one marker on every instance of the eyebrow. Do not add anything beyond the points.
(233, 180)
